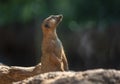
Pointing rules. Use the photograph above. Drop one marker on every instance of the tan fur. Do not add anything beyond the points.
(53, 56)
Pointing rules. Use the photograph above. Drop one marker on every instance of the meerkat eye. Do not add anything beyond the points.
(47, 25)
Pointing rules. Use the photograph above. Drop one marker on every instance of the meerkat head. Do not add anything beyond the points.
(51, 22)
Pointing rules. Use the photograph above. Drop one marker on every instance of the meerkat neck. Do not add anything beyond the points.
(50, 35)
(48, 41)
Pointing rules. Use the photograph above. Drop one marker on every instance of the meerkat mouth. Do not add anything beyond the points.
(56, 19)
(59, 17)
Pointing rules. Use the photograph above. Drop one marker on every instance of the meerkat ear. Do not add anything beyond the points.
(47, 25)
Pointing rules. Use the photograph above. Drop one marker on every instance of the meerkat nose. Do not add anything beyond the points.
(60, 16)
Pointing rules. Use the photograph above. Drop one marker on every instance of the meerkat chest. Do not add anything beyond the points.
(53, 46)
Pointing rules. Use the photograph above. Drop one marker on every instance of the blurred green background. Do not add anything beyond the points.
(89, 31)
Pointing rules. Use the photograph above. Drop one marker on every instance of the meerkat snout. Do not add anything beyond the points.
(52, 21)
(58, 18)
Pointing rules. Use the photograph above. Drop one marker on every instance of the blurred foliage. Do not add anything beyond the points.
(74, 11)
(19, 10)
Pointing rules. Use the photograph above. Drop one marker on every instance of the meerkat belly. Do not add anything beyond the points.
(53, 47)
(52, 55)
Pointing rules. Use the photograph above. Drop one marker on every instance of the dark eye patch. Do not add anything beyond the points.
(47, 25)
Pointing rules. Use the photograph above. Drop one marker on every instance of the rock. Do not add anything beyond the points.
(97, 76)
(32, 75)
(10, 74)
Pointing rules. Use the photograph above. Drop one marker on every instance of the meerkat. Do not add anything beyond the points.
(53, 57)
